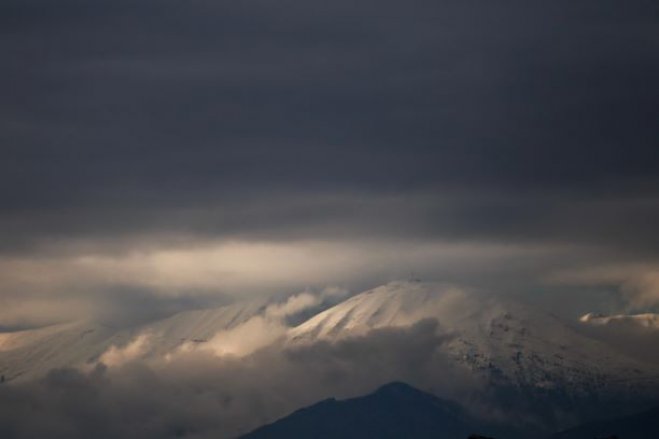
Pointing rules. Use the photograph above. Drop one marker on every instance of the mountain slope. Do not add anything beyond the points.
(395, 410)
(32, 353)
(639, 426)
(26, 355)
(500, 340)
(529, 364)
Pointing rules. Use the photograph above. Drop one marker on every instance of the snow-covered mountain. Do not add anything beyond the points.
(29, 354)
(32, 353)
(500, 340)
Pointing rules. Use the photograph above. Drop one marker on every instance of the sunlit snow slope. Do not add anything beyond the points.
(646, 321)
(497, 340)
(29, 354)
(500, 340)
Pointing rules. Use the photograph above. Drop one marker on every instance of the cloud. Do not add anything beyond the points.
(202, 396)
(199, 394)
(637, 283)
(233, 149)
(242, 338)
(647, 321)
(143, 283)
(264, 329)
(323, 122)
(117, 356)
(630, 324)
(257, 332)
(342, 142)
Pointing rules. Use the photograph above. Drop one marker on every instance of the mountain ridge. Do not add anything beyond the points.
(514, 339)
(394, 410)
(495, 339)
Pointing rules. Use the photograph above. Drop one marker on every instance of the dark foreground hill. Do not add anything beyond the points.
(396, 410)
(643, 425)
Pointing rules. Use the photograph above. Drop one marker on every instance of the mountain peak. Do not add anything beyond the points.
(397, 387)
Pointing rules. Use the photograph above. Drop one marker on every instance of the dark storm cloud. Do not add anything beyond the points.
(144, 142)
(135, 117)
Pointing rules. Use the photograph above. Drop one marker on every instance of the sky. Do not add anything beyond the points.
(166, 155)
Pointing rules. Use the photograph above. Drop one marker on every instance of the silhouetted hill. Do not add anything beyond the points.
(639, 426)
(395, 410)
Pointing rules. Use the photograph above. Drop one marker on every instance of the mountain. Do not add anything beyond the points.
(520, 354)
(633, 335)
(32, 353)
(497, 339)
(517, 360)
(643, 425)
(395, 410)
(29, 354)
(530, 363)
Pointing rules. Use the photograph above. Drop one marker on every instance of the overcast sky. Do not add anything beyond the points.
(161, 155)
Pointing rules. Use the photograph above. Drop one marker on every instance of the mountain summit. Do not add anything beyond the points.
(494, 338)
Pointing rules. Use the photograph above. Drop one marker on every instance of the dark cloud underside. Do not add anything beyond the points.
(124, 123)
(118, 103)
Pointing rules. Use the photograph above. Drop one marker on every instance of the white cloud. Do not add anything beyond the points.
(261, 330)
(118, 356)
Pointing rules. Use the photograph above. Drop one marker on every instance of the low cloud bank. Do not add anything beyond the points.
(199, 395)
(136, 285)
(207, 393)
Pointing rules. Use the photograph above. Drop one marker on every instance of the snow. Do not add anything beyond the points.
(646, 320)
(493, 338)
(30, 354)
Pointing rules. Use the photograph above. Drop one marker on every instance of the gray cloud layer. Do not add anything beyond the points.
(117, 112)
(133, 127)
